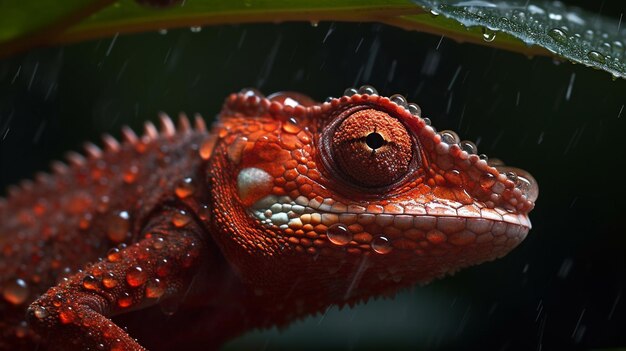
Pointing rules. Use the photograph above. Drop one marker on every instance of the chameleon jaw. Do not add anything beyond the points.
(423, 229)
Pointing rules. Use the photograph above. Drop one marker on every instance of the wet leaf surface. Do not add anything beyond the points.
(568, 32)
(529, 27)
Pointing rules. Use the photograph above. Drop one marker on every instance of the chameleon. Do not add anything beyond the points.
(187, 236)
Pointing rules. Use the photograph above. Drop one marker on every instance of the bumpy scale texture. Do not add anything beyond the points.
(188, 237)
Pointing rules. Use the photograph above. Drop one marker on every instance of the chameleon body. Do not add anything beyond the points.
(286, 206)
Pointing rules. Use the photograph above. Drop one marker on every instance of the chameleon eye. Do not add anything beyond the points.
(371, 148)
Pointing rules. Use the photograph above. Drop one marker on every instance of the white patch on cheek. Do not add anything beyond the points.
(253, 184)
(278, 211)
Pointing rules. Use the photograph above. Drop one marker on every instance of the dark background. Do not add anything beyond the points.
(563, 288)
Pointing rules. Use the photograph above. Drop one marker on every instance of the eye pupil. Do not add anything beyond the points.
(370, 148)
(374, 140)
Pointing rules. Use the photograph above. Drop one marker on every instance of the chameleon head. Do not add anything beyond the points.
(358, 194)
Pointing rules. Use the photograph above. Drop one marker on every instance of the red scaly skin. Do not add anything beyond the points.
(285, 207)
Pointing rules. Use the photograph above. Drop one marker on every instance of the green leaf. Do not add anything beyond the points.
(579, 36)
(531, 28)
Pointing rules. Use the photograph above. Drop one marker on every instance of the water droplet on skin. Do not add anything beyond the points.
(118, 227)
(414, 109)
(180, 219)
(136, 276)
(449, 137)
(427, 121)
(185, 188)
(204, 213)
(489, 34)
(339, 234)
(67, 316)
(57, 300)
(483, 157)
(512, 176)
(487, 180)
(195, 29)
(368, 89)
(158, 243)
(291, 126)
(381, 245)
(434, 13)
(130, 175)
(16, 291)
(596, 56)
(125, 300)
(164, 268)
(40, 312)
(469, 147)
(558, 35)
(155, 288)
(90, 282)
(399, 100)
(114, 254)
(349, 92)
(109, 281)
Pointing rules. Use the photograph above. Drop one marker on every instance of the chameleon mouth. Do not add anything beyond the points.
(313, 224)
